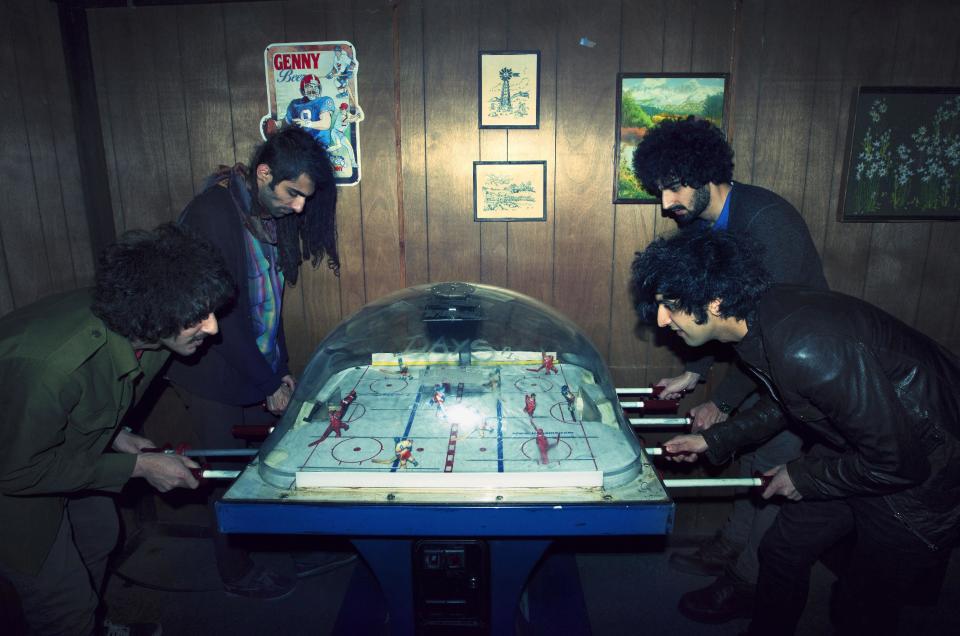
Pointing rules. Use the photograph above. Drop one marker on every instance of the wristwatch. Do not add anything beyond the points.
(723, 407)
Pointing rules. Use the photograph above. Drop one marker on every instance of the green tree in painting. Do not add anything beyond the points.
(632, 114)
(713, 108)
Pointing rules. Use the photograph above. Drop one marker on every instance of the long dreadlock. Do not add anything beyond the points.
(312, 234)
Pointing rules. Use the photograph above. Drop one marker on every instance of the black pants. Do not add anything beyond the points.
(886, 568)
(63, 597)
(213, 421)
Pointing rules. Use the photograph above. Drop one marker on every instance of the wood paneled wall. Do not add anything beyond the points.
(181, 90)
(44, 239)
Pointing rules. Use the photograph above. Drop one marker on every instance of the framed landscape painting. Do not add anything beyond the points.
(509, 190)
(903, 155)
(646, 99)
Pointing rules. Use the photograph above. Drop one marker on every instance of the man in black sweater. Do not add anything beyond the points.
(689, 165)
(265, 219)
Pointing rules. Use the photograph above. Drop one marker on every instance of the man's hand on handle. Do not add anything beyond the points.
(684, 448)
(673, 388)
(706, 415)
(166, 472)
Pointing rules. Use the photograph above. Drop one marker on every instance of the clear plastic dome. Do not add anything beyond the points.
(454, 383)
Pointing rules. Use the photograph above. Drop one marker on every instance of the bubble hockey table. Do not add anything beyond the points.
(452, 432)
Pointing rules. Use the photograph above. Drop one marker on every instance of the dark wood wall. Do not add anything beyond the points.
(181, 89)
(44, 240)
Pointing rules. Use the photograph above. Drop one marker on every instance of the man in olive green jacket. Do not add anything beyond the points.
(71, 366)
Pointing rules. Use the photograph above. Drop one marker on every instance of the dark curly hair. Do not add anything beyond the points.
(690, 151)
(694, 267)
(312, 234)
(151, 284)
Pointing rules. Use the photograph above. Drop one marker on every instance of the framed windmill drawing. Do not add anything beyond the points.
(509, 92)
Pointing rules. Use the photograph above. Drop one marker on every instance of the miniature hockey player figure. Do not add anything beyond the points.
(404, 453)
(548, 362)
(543, 445)
(347, 401)
(570, 398)
(438, 398)
(493, 383)
(336, 423)
(530, 403)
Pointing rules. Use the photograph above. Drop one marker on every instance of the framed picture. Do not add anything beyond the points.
(646, 99)
(903, 155)
(509, 190)
(509, 93)
(313, 85)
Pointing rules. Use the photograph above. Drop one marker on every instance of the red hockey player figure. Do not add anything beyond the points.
(548, 363)
(530, 403)
(543, 445)
(404, 453)
(336, 424)
(347, 401)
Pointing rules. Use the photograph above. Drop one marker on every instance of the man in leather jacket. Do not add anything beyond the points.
(882, 398)
(688, 164)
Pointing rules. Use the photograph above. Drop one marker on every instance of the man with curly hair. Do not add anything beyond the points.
(880, 397)
(71, 366)
(265, 220)
(689, 165)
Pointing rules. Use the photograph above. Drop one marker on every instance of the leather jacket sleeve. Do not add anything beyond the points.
(753, 426)
(845, 382)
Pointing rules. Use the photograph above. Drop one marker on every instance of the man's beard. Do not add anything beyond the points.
(701, 199)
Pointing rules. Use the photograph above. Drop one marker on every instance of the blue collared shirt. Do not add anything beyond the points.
(724, 219)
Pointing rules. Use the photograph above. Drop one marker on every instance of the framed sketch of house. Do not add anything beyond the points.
(509, 190)
(509, 89)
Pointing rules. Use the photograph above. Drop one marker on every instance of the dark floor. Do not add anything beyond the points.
(627, 586)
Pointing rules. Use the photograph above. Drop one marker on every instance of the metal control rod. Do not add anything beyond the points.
(660, 422)
(204, 452)
(220, 474)
(718, 482)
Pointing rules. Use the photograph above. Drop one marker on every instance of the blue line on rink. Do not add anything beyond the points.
(406, 431)
(499, 436)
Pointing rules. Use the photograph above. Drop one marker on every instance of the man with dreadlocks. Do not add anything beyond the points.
(266, 220)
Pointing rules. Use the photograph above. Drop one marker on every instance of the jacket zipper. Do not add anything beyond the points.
(768, 383)
(932, 546)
